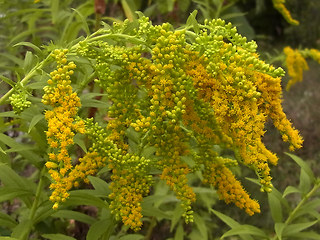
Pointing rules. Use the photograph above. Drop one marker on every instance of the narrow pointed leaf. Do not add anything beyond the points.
(246, 229)
(57, 236)
(303, 165)
(34, 121)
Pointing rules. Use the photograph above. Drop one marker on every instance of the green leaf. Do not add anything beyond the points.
(27, 64)
(176, 216)
(12, 58)
(30, 45)
(20, 231)
(104, 226)
(127, 10)
(254, 180)
(8, 238)
(231, 223)
(226, 219)
(83, 197)
(8, 81)
(150, 211)
(84, 22)
(198, 220)
(44, 211)
(101, 186)
(278, 227)
(305, 182)
(303, 165)
(79, 140)
(275, 206)
(191, 21)
(246, 229)
(67, 28)
(9, 141)
(293, 229)
(184, 5)
(34, 121)
(57, 236)
(132, 237)
(308, 208)
(7, 221)
(9, 193)
(78, 216)
(94, 103)
(179, 232)
(8, 114)
(306, 235)
(29, 32)
(289, 190)
(54, 10)
(1, 150)
(11, 179)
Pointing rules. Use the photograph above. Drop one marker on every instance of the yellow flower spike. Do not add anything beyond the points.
(279, 5)
(230, 189)
(315, 54)
(296, 64)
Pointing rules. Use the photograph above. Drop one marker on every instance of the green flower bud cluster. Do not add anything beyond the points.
(217, 38)
(130, 178)
(19, 101)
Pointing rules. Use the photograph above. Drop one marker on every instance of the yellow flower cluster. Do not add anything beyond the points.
(315, 54)
(62, 124)
(229, 188)
(130, 180)
(279, 5)
(296, 64)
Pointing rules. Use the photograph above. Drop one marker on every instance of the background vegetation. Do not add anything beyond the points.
(29, 31)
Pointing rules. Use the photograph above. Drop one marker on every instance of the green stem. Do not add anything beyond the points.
(153, 223)
(301, 203)
(306, 197)
(26, 79)
(35, 204)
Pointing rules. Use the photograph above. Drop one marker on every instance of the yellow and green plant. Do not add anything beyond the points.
(186, 96)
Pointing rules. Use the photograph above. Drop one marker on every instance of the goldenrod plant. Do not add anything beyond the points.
(137, 129)
(176, 101)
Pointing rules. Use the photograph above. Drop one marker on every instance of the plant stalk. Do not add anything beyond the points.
(35, 204)
(26, 79)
